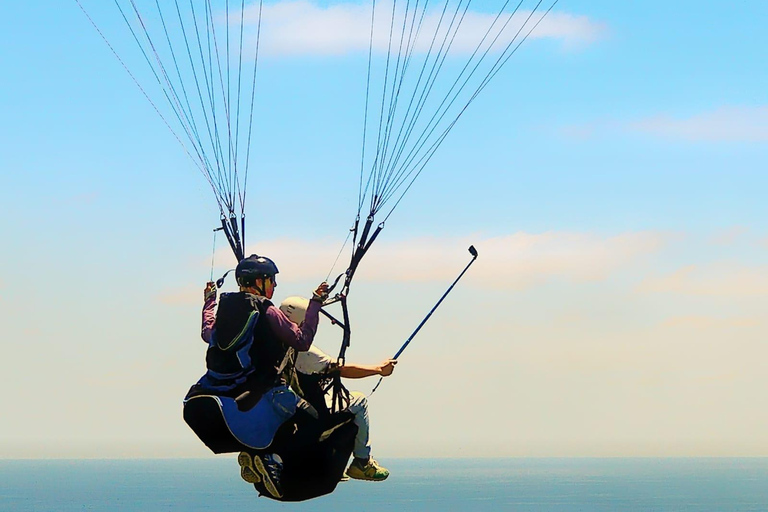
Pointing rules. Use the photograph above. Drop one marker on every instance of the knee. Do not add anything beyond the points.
(358, 400)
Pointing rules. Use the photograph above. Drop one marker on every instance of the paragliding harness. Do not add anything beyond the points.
(243, 355)
(243, 404)
(340, 394)
(245, 365)
(314, 388)
(408, 136)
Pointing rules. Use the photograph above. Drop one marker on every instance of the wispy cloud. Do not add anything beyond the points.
(519, 260)
(305, 28)
(523, 261)
(729, 236)
(726, 124)
(181, 296)
(722, 279)
(703, 322)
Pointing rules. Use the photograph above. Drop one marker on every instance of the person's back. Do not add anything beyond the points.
(250, 343)
(243, 352)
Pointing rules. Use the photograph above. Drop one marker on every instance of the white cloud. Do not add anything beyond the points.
(703, 322)
(524, 260)
(181, 296)
(305, 28)
(719, 279)
(572, 30)
(519, 260)
(726, 124)
(729, 236)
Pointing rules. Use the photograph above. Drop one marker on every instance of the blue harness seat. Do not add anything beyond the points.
(223, 427)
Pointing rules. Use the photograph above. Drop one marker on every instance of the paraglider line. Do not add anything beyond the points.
(144, 92)
(426, 92)
(505, 56)
(410, 118)
(365, 117)
(397, 83)
(213, 252)
(193, 132)
(253, 95)
(349, 233)
(437, 117)
(200, 96)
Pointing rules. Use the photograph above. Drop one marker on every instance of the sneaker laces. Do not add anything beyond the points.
(274, 465)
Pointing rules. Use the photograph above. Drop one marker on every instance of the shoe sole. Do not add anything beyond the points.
(247, 471)
(268, 483)
(365, 478)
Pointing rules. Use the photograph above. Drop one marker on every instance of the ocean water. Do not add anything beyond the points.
(560, 485)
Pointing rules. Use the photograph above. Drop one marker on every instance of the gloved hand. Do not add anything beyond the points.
(210, 290)
(321, 294)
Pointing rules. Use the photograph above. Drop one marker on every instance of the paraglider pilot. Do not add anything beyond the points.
(313, 369)
(251, 346)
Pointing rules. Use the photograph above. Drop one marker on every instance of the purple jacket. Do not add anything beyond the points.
(286, 331)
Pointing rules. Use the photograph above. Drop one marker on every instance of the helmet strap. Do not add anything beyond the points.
(261, 289)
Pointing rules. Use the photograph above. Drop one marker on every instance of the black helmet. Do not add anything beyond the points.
(254, 267)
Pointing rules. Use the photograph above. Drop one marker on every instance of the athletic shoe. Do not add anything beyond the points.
(247, 470)
(367, 471)
(270, 469)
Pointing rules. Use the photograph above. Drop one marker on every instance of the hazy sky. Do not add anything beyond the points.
(612, 176)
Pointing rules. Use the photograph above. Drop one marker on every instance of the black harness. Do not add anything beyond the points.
(244, 358)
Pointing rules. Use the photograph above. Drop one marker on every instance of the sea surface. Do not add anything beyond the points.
(519, 484)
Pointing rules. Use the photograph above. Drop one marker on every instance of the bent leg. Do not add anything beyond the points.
(358, 405)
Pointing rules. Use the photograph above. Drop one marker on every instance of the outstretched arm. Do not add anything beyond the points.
(356, 371)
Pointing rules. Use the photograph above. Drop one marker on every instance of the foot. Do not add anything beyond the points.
(368, 470)
(247, 469)
(270, 468)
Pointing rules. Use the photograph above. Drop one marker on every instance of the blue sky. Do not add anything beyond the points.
(680, 62)
(614, 185)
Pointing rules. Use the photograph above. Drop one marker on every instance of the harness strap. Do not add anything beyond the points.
(289, 358)
(340, 401)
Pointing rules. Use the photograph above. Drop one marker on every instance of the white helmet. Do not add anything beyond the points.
(295, 308)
